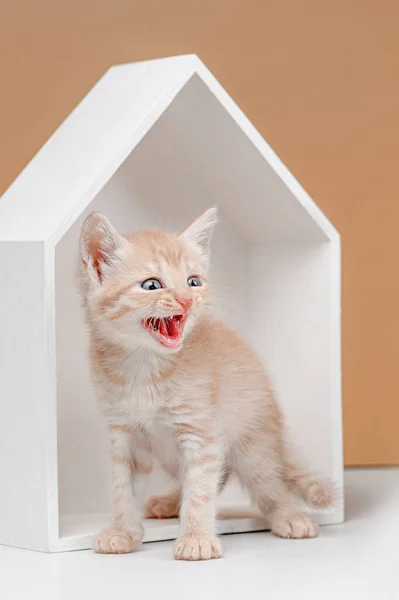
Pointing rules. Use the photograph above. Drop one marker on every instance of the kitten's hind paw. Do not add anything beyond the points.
(163, 507)
(198, 548)
(297, 526)
(115, 542)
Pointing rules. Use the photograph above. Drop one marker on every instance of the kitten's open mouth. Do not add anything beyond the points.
(167, 331)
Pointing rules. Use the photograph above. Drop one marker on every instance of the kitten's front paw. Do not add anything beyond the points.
(198, 548)
(116, 542)
(162, 507)
(296, 526)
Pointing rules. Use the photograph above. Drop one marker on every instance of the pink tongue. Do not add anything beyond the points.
(168, 328)
(162, 328)
(173, 328)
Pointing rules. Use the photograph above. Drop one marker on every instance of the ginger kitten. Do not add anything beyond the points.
(174, 383)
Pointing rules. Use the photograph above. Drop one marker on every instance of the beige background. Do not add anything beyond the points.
(320, 80)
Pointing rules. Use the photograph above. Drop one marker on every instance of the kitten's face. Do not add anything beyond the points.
(148, 288)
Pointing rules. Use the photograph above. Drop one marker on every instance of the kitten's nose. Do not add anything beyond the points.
(185, 303)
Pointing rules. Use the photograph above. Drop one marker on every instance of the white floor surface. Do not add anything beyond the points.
(356, 560)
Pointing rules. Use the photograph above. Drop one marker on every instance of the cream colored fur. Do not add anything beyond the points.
(205, 409)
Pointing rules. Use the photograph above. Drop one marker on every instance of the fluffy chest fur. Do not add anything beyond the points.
(134, 388)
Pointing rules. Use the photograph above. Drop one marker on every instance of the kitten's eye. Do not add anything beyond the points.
(194, 282)
(151, 284)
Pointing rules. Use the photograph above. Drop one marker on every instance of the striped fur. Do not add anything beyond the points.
(205, 409)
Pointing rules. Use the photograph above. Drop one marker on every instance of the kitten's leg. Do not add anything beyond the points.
(201, 466)
(131, 458)
(260, 472)
(167, 507)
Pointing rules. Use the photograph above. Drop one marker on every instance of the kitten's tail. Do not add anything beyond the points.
(316, 493)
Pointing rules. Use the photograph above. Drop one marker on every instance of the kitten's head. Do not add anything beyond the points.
(147, 288)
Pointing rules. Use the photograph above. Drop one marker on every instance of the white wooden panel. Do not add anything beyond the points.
(27, 418)
(295, 307)
(229, 169)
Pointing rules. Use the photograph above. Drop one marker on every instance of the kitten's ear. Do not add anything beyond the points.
(99, 245)
(199, 232)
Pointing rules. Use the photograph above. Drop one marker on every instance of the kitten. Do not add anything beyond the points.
(174, 383)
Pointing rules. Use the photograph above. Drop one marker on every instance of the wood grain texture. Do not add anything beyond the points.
(320, 81)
